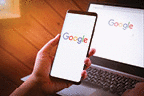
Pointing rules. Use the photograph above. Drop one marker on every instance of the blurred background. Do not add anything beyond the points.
(25, 26)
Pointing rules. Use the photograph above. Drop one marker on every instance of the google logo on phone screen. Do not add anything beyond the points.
(79, 40)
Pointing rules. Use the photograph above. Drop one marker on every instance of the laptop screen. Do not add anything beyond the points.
(119, 35)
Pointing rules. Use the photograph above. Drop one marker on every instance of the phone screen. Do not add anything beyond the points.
(73, 46)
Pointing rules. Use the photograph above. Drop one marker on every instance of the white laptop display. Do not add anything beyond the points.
(119, 34)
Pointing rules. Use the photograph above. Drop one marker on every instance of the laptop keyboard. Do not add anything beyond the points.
(109, 81)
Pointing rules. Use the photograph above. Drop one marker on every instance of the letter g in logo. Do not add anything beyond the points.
(111, 22)
(66, 35)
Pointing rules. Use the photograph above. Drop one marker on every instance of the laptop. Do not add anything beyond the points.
(119, 60)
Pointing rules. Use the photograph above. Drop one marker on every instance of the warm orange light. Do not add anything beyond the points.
(9, 9)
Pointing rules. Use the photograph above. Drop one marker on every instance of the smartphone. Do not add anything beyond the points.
(74, 45)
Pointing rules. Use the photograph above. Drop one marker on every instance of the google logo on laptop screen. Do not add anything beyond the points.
(125, 26)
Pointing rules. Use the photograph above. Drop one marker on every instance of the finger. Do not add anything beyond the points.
(139, 84)
(52, 43)
(87, 62)
(92, 52)
(126, 92)
(84, 74)
(52, 58)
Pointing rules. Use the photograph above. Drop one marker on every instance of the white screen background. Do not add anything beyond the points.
(69, 60)
(117, 44)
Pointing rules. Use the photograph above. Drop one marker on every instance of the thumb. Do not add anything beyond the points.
(49, 46)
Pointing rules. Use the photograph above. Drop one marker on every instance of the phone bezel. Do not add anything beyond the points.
(82, 13)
